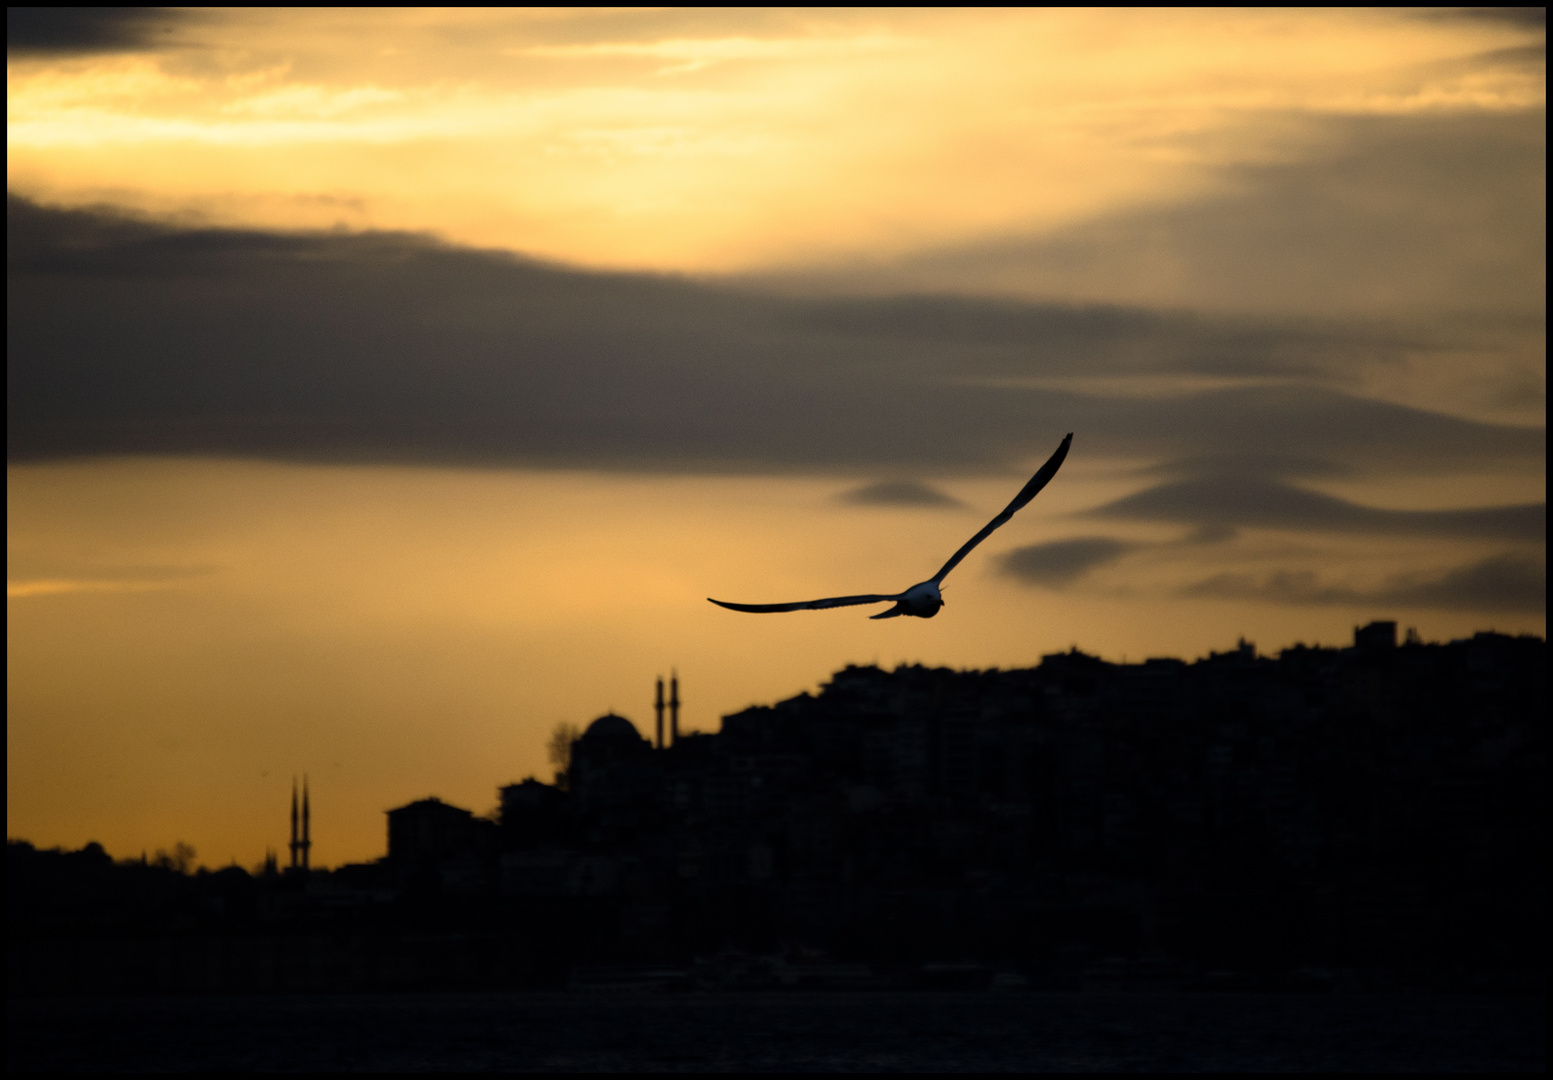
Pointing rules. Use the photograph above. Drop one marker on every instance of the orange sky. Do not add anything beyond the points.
(400, 633)
(1324, 211)
(725, 140)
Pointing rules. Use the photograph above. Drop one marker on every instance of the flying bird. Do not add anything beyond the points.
(925, 598)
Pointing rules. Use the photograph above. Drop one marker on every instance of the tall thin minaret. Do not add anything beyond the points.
(674, 706)
(295, 843)
(658, 705)
(307, 826)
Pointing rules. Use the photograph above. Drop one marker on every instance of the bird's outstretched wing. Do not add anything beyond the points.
(1026, 493)
(833, 601)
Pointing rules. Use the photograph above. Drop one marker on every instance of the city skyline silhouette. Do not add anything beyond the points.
(1327, 824)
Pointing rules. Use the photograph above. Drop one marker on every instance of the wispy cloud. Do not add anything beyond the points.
(694, 54)
(1509, 582)
(16, 590)
(1061, 562)
(36, 569)
(1439, 213)
(898, 493)
(1230, 500)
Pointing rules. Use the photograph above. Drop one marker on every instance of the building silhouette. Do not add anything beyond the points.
(1323, 807)
(1365, 816)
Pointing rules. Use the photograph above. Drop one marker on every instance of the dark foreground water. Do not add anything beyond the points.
(798, 1032)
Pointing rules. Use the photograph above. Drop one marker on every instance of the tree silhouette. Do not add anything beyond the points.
(180, 861)
(559, 747)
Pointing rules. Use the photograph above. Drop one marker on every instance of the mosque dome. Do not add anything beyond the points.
(611, 728)
(609, 740)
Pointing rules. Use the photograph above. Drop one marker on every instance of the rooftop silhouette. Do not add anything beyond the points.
(1360, 815)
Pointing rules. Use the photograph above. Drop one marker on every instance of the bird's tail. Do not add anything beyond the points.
(898, 609)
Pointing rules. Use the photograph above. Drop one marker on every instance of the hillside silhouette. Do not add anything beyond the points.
(1366, 816)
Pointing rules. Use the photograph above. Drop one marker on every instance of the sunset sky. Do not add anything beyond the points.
(386, 387)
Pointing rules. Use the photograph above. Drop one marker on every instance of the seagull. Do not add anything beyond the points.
(924, 598)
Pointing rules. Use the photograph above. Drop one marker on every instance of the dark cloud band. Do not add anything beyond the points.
(63, 30)
(1060, 562)
(898, 493)
(128, 336)
(1229, 500)
(1509, 583)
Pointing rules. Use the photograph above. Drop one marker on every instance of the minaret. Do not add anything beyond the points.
(307, 826)
(674, 706)
(295, 846)
(658, 705)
